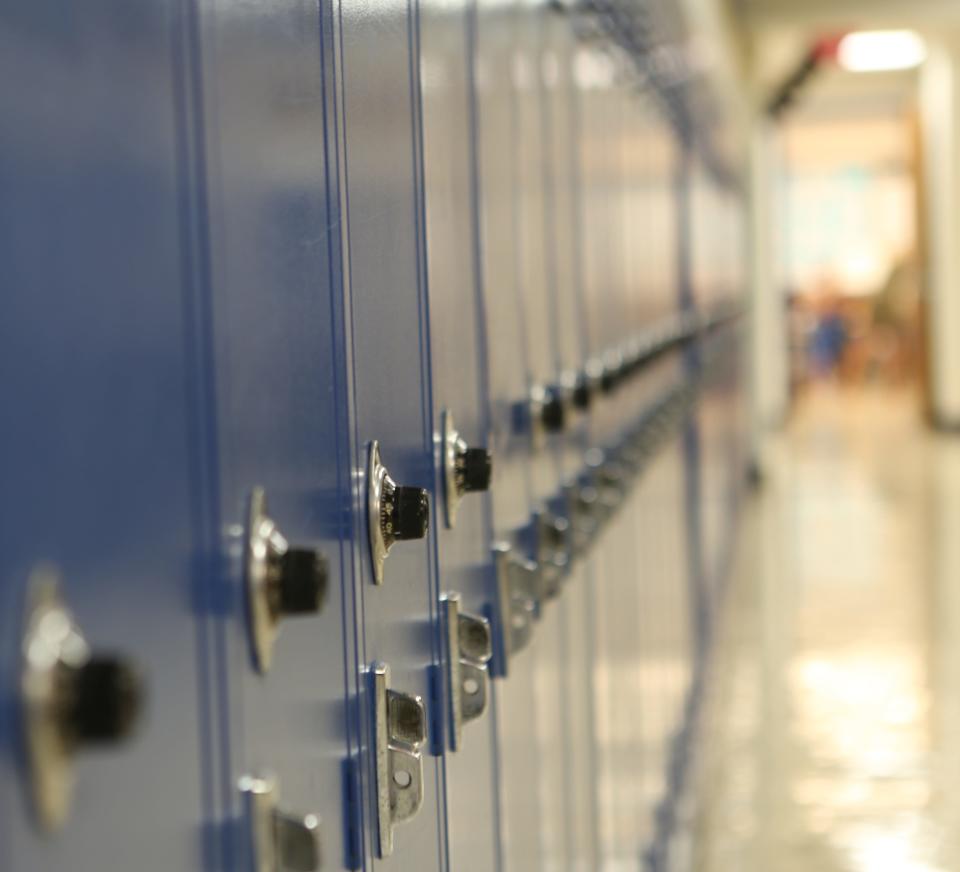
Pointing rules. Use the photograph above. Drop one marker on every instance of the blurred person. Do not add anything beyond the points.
(829, 336)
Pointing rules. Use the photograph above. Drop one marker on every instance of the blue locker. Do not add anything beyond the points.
(660, 520)
(629, 245)
(461, 511)
(539, 314)
(284, 276)
(610, 562)
(563, 196)
(280, 439)
(98, 447)
(519, 754)
(381, 213)
(705, 279)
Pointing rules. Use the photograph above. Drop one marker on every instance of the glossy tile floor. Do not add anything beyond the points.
(834, 725)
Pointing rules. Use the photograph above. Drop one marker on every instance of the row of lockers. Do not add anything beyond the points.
(373, 434)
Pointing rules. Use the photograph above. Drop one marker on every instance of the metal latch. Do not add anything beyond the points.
(553, 550)
(281, 841)
(583, 509)
(469, 647)
(399, 734)
(518, 597)
(394, 512)
(610, 480)
(465, 469)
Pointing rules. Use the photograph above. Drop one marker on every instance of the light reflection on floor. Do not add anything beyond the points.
(834, 724)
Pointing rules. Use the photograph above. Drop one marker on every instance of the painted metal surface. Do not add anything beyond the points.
(563, 198)
(245, 241)
(280, 421)
(96, 451)
(613, 565)
(457, 353)
(496, 51)
(539, 314)
(382, 216)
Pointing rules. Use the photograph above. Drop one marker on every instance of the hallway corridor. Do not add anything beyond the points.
(832, 734)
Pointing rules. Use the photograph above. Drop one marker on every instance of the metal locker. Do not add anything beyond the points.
(705, 292)
(629, 307)
(400, 760)
(538, 313)
(628, 237)
(668, 526)
(520, 763)
(279, 469)
(657, 512)
(461, 509)
(563, 198)
(100, 667)
(291, 284)
(670, 639)
(640, 313)
(611, 566)
(677, 484)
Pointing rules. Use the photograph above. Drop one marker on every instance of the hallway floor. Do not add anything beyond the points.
(833, 732)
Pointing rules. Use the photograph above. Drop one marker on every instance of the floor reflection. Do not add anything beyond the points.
(835, 710)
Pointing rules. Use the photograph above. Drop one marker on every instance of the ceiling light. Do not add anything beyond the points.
(871, 51)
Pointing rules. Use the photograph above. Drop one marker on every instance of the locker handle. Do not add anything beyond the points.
(584, 511)
(518, 599)
(281, 840)
(399, 730)
(468, 651)
(554, 549)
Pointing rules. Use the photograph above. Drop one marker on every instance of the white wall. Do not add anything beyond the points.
(940, 112)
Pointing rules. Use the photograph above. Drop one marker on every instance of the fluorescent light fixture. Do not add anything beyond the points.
(872, 51)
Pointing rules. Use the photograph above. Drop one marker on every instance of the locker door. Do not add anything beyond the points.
(381, 214)
(704, 273)
(620, 255)
(96, 445)
(623, 590)
(539, 317)
(564, 226)
(595, 70)
(282, 437)
(653, 514)
(653, 213)
(460, 517)
(672, 530)
(498, 172)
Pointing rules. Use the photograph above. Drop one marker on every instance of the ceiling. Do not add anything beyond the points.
(774, 36)
(846, 13)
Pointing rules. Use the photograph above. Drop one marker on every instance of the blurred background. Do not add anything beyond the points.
(835, 706)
